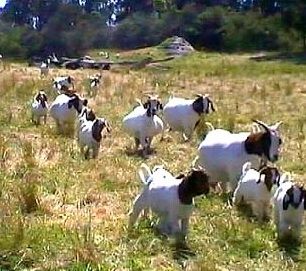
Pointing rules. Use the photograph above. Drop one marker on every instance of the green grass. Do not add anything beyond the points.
(61, 212)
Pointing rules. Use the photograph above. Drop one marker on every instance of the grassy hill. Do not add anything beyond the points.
(61, 212)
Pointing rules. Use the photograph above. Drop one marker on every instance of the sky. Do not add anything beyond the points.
(2, 3)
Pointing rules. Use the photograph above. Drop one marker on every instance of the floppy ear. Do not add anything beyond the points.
(160, 106)
(85, 102)
(211, 104)
(70, 103)
(286, 202)
(146, 105)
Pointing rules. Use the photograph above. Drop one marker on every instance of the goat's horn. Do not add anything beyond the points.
(265, 126)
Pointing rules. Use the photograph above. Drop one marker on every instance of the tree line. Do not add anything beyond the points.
(71, 27)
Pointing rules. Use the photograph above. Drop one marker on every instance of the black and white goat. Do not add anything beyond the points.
(184, 114)
(90, 132)
(39, 107)
(94, 83)
(143, 123)
(59, 82)
(289, 202)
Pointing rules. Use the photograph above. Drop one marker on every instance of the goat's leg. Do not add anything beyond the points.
(95, 152)
(45, 119)
(138, 205)
(187, 134)
(184, 226)
(137, 143)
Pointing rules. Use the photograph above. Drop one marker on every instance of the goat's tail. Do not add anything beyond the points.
(246, 166)
(144, 173)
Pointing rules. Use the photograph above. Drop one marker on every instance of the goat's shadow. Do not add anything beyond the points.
(138, 153)
(291, 246)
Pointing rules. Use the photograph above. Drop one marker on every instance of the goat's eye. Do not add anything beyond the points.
(280, 142)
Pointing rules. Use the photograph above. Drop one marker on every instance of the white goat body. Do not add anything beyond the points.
(222, 154)
(62, 113)
(39, 109)
(142, 127)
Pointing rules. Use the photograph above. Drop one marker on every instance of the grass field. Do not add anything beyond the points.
(61, 212)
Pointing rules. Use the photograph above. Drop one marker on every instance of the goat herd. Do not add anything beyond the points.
(239, 160)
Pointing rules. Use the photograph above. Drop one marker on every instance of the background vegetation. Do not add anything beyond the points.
(71, 27)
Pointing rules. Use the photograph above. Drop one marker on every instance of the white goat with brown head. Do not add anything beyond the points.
(39, 107)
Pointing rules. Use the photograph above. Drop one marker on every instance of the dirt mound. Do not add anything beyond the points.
(176, 46)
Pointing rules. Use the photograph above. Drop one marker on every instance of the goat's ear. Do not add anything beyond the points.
(286, 202)
(70, 103)
(85, 102)
(160, 106)
(211, 105)
(146, 105)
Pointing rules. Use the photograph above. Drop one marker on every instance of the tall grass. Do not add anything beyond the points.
(61, 212)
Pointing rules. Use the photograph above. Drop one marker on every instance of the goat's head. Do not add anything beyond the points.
(97, 128)
(203, 104)
(194, 184)
(269, 175)
(88, 112)
(294, 196)
(41, 97)
(265, 143)
(77, 103)
(152, 105)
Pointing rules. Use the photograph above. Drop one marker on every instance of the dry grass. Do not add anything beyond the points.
(61, 212)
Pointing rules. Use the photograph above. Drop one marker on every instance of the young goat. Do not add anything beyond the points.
(40, 107)
(44, 67)
(170, 198)
(94, 82)
(289, 202)
(59, 82)
(184, 114)
(254, 188)
(64, 110)
(90, 132)
(143, 123)
(223, 154)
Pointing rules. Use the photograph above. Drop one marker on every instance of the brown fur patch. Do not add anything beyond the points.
(268, 172)
(194, 184)
(97, 128)
(259, 144)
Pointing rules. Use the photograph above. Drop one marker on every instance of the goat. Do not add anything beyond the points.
(61, 81)
(90, 134)
(143, 123)
(184, 114)
(169, 197)
(223, 154)
(254, 187)
(94, 82)
(44, 67)
(289, 203)
(39, 107)
(64, 110)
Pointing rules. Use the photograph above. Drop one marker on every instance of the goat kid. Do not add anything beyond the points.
(254, 188)
(289, 202)
(143, 123)
(90, 132)
(64, 110)
(59, 82)
(39, 107)
(170, 198)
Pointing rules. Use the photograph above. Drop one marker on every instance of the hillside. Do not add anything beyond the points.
(61, 212)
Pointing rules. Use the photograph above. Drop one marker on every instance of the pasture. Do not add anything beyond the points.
(61, 212)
